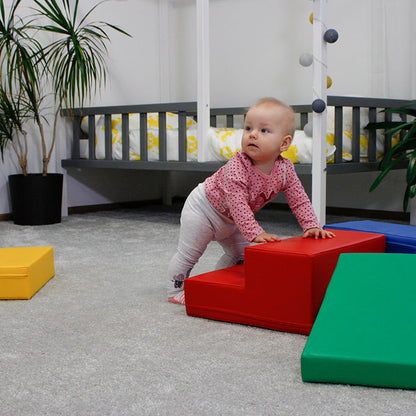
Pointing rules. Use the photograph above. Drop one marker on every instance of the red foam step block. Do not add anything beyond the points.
(280, 285)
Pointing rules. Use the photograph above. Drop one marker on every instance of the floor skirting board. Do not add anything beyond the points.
(349, 212)
(369, 213)
(6, 217)
(111, 206)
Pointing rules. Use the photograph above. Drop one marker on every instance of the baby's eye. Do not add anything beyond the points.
(248, 128)
(264, 130)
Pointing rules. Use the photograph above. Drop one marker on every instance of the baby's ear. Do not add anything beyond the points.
(287, 141)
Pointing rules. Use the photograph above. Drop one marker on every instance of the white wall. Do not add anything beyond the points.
(255, 48)
(133, 77)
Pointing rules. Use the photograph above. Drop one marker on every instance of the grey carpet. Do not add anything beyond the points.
(101, 339)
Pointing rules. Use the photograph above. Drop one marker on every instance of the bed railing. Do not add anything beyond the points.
(228, 117)
(357, 103)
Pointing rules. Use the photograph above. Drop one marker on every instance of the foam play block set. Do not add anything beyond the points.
(280, 285)
(365, 332)
(400, 238)
(24, 270)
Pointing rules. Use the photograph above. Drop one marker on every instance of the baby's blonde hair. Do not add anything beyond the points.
(290, 125)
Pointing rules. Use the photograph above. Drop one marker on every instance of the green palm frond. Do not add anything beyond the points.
(74, 62)
(406, 109)
(12, 115)
(18, 52)
(405, 149)
(390, 127)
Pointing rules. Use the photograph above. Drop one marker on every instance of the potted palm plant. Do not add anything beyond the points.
(70, 68)
(404, 150)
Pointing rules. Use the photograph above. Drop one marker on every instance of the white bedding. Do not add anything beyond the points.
(223, 142)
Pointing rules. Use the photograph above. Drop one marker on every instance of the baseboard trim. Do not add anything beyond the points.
(6, 217)
(348, 212)
(83, 209)
(355, 212)
(370, 213)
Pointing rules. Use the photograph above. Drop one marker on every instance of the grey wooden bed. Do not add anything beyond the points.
(356, 104)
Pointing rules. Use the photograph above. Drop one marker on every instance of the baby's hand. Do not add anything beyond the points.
(266, 238)
(317, 232)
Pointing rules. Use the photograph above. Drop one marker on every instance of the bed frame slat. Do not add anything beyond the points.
(76, 132)
(125, 137)
(404, 119)
(162, 137)
(143, 137)
(387, 137)
(108, 136)
(303, 119)
(182, 136)
(372, 136)
(91, 136)
(338, 132)
(355, 134)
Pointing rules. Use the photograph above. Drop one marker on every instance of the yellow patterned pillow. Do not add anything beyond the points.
(172, 144)
(300, 151)
(224, 142)
(292, 153)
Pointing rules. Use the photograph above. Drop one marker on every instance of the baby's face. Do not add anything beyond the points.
(265, 134)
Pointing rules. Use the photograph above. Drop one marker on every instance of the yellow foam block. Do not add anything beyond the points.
(24, 270)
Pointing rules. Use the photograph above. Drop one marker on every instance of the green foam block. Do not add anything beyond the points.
(365, 331)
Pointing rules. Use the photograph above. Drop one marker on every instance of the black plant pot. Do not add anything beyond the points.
(36, 199)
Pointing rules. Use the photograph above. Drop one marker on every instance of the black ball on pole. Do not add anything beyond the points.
(318, 105)
(331, 36)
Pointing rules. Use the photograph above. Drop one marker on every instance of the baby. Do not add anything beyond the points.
(222, 208)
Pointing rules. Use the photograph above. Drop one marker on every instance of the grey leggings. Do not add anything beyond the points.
(201, 223)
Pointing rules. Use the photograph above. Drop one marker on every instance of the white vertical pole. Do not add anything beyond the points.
(319, 119)
(203, 99)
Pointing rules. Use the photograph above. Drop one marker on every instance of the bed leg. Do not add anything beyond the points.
(166, 189)
(412, 209)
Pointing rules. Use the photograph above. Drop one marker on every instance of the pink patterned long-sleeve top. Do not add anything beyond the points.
(238, 190)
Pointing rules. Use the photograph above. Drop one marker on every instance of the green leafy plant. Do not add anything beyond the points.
(71, 67)
(405, 149)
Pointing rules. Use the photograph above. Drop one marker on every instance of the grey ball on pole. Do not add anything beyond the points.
(308, 129)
